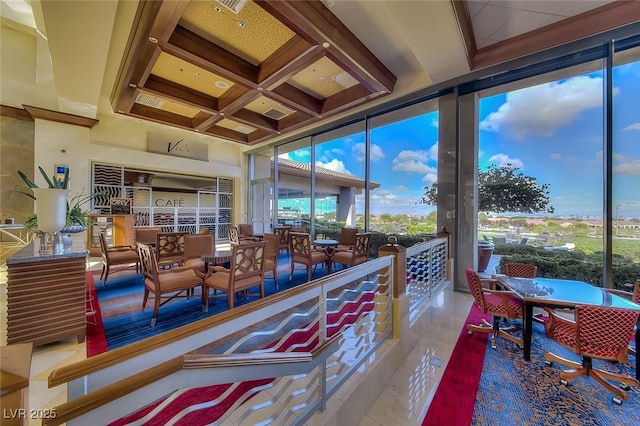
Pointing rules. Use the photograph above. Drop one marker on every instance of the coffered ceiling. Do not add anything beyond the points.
(245, 70)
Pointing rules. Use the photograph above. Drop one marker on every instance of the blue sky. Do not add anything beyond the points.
(553, 132)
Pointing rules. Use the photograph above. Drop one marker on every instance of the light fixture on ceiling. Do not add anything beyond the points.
(221, 84)
(326, 45)
(197, 74)
(132, 85)
(233, 5)
(241, 24)
(153, 40)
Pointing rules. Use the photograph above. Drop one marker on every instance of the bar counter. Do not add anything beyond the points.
(46, 294)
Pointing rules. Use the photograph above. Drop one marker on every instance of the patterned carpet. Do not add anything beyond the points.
(121, 322)
(515, 392)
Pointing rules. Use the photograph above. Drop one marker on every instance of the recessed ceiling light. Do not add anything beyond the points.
(132, 85)
(241, 24)
(326, 45)
(322, 77)
(260, 89)
(222, 113)
(153, 40)
(221, 84)
(197, 74)
(217, 9)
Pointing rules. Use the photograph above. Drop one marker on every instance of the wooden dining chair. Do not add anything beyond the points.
(598, 332)
(302, 253)
(169, 249)
(196, 246)
(283, 234)
(357, 255)
(164, 284)
(271, 261)
(246, 271)
(347, 238)
(115, 256)
(500, 304)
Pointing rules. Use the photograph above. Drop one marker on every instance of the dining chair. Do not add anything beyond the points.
(246, 271)
(245, 232)
(271, 260)
(169, 249)
(357, 255)
(500, 304)
(147, 234)
(283, 233)
(523, 270)
(234, 235)
(634, 296)
(167, 284)
(347, 238)
(598, 332)
(302, 253)
(116, 255)
(196, 246)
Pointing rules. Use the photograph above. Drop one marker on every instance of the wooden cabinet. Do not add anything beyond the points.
(46, 295)
(117, 228)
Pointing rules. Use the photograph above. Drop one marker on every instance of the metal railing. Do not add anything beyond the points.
(427, 265)
(310, 340)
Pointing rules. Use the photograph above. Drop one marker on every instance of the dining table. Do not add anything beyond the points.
(218, 257)
(560, 293)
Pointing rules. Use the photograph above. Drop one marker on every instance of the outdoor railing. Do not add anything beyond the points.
(280, 357)
(427, 265)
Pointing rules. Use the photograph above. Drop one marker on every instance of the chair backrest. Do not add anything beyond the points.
(247, 261)
(245, 230)
(234, 235)
(636, 293)
(148, 263)
(103, 247)
(204, 230)
(300, 245)
(197, 245)
(499, 240)
(283, 233)
(348, 236)
(523, 270)
(361, 247)
(147, 235)
(475, 285)
(273, 245)
(604, 332)
(169, 245)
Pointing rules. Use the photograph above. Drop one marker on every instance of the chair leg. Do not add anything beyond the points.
(144, 299)
(156, 308)
(106, 274)
(230, 298)
(275, 277)
(102, 273)
(205, 298)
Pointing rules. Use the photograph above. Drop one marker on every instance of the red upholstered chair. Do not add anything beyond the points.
(524, 270)
(246, 271)
(116, 255)
(634, 296)
(597, 333)
(304, 254)
(500, 304)
(168, 284)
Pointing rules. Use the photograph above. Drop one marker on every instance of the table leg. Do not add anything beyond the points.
(527, 330)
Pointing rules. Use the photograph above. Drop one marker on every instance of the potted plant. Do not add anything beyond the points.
(76, 217)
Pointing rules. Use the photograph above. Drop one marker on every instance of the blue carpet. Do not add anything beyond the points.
(515, 392)
(120, 304)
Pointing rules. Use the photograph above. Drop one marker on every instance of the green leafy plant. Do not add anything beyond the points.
(76, 214)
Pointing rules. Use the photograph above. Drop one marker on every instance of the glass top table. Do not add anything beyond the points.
(559, 293)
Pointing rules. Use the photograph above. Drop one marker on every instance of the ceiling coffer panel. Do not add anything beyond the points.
(244, 70)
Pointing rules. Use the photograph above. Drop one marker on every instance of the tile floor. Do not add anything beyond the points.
(404, 401)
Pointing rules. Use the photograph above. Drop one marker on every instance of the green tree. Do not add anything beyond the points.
(504, 189)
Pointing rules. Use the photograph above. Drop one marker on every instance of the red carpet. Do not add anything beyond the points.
(96, 340)
(456, 395)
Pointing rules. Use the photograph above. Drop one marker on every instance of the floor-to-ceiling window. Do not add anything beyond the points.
(626, 167)
(294, 184)
(403, 162)
(340, 177)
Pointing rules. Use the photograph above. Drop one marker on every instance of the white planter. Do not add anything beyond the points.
(51, 208)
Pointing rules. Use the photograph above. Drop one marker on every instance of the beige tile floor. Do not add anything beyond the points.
(404, 401)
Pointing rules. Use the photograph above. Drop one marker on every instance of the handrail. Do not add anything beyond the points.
(86, 403)
(108, 359)
(417, 248)
(90, 365)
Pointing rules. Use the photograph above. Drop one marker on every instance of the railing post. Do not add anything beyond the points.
(399, 279)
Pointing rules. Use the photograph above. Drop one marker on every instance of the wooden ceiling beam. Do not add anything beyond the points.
(201, 124)
(292, 56)
(185, 95)
(254, 119)
(299, 100)
(161, 116)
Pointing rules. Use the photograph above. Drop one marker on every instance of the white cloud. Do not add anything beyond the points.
(433, 151)
(376, 152)
(632, 168)
(412, 162)
(634, 126)
(430, 178)
(335, 165)
(555, 156)
(401, 188)
(618, 158)
(503, 159)
(540, 110)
